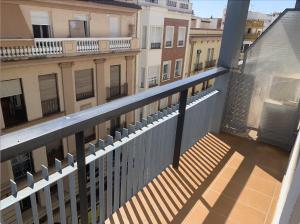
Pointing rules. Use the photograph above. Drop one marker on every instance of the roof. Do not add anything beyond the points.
(115, 3)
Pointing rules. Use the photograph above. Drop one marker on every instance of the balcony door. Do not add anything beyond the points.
(115, 80)
(114, 24)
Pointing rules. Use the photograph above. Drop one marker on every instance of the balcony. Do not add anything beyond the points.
(57, 47)
(115, 92)
(210, 64)
(155, 45)
(198, 67)
(199, 161)
(251, 36)
(174, 5)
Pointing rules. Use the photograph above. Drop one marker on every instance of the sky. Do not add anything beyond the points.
(208, 8)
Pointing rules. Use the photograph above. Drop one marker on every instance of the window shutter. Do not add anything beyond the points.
(48, 87)
(169, 33)
(10, 88)
(84, 81)
(40, 18)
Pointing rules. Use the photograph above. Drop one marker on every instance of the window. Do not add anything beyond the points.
(12, 102)
(49, 94)
(166, 70)
(208, 54)
(89, 133)
(144, 37)
(114, 24)
(21, 164)
(84, 84)
(169, 36)
(212, 54)
(40, 24)
(198, 56)
(155, 37)
(178, 68)
(153, 74)
(143, 75)
(78, 28)
(181, 36)
(54, 150)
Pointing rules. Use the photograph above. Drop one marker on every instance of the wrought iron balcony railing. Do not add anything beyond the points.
(114, 92)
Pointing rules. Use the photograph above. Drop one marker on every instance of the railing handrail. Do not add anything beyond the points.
(29, 139)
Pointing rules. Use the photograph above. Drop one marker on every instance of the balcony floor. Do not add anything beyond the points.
(221, 179)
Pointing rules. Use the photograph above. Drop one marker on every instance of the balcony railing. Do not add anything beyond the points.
(198, 67)
(65, 46)
(50, 106)
(155, 45)
(114, 92)
(120, 167)
(171, 3)
(209, 64)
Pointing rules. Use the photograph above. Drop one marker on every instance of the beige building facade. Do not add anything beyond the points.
(61, 57)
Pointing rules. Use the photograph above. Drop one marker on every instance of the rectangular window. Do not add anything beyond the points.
(21, 164)
(166, 70)
(114, 24)
(169, 36)
(208, 54)
(178, 68)
(156, 32)
(143, 75)
(84, 84)
(153, 74)
(78, 28)
(12, 102)
(181, 36)
(49, 94)
(212, 54)
(144, 37)
(41, 26)
(54, 151)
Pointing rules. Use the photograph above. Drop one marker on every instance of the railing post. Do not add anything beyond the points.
(179, 128)
(80, 154)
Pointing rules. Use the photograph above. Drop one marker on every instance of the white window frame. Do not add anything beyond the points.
(153, 36)
(169, 63)
(180, 73)
(181, 28)
(172, 39)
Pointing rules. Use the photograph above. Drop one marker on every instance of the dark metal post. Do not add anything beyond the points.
(80, 154)
(179, 129)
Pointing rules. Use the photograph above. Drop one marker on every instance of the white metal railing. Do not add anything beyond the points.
(177, 5)
(133, 159)
(55, 46)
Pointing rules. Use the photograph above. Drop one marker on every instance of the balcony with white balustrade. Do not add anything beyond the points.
(14, 49)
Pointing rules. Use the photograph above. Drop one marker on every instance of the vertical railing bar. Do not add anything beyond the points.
(60, 189)
(30, 183)
(14, 192)
(47, 195)
(80, 153)
(124, 175)
(101, 184)
(109, 176)
(179, 128)
(117, 174)
(72, 190)
(92, 151)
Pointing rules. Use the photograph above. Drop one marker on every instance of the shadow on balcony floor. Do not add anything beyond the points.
(221, 179)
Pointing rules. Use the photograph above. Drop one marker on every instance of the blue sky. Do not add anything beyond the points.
(207, 8)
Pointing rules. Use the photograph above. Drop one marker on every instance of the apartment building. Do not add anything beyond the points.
(206, 23)
(163, 31)
(61, 57)
(204, 48)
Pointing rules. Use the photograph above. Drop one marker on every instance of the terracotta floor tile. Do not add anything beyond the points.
(221, 179)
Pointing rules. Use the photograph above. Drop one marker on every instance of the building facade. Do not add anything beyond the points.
(58, 58)
(163, 31)
(203, 50)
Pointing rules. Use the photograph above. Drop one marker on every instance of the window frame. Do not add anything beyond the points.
(172, 41)
(153, 35)
(169, 63)
(180, 28)
(93, 85)
(181, 60)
